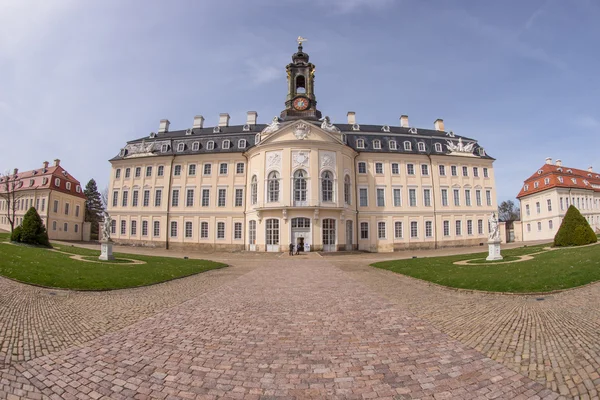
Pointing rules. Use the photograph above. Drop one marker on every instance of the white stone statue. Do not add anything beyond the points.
(494, 229)
(459, 147)
(326, 125)
(272, 127)
(106, 227)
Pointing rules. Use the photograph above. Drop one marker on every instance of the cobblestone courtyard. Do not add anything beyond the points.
(301, 327)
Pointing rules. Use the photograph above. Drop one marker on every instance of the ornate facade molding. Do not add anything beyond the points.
(273, 159)
(301, 130)
(459, 147)
(327, 159)
(300, 159)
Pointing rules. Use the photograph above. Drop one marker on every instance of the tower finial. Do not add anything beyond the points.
(300, 41)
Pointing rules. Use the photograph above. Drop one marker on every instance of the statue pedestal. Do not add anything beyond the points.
(494, 250)
(106, 252)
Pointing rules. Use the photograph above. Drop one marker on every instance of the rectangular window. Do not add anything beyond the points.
(528, 227)
(66, 208)
(144, 228)
(115, 199)
(364, 230)
(445, 197)
(207, 169)
(398, 230)
(379, 168)
(205, 197)
(157, 197)
(442, 170)
(527, 212)
(476, 172)
(133, 228)
(488, 197)
(397, 198)
(414, 229)
(410, 169)
(538, 208)
(428, 229)
(412, 197)
(395, 169)
(177, 170)
(127, 172)
(468, 197)
(220, 230)
(118, 173)
(458, 228)
(223, 169)
(480, 226)
(123, 227)
(125, 198)
(550, 225)
(562, 206)
(135, 198)
(77, 211)
(456, 197)
(478, 197)
(381, 230)
(192, 169)
(380, 197)
(175, 198)
(453, 170)
(222, 197)
(549, 205)
(465, 171)
(37, 204)
(239, 168)
(161, 170)
(424, 169)
(469, 227)
(237, 230)
(173, 228)
(446, 228)
(427, 197)
(204, 230)
(43, 204)
(138, 172)
(363, 197)
(362, 168)
(146, 202)
(188, 229)
(239, 197)
(189, 198)
(148, 171)
(485, 173)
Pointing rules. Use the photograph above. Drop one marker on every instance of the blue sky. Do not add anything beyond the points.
(80, 78)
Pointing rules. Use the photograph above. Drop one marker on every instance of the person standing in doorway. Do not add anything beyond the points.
(291, 249)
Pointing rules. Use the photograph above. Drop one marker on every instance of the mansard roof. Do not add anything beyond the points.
(42, 178)
(551, 176)
(153, 145)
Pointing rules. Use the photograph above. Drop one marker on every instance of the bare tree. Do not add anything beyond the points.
(9, 185)
(104, 197)
(508, 212)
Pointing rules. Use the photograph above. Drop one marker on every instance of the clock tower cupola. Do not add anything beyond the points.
(300, 101)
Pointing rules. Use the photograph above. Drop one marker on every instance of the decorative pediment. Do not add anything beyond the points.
(458, 148)
(293, 131)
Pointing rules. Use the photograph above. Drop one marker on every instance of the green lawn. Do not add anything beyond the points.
(43, 267)
(552, 270)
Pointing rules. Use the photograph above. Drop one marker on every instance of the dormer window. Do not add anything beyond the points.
(246, 128)
(123, 152)
(31, 182)
(152, 135)
(356, 127)
(392, 145)
(536, 184)
(525, 188)
(413, 130)
(44, 181)
(421, 146)
(57, 182)
(257, 138)
(560, 179)
(385, 128)
(407, 146)
(559, 169)
(68, 185)
(78, 189)
(164, 148)
(195, 146)
(242, 143)
(569, 171)
(210, 145)
(438, 147)
(226, 144)
(546, 181)
(574, 180)
(216, 129)
(180, 147)
(377, 144)
(360, 143)
(481, 151)
(585, 182)
(344, 138)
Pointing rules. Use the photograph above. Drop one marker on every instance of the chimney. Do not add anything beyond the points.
(224, 119)
(56, 162)
(549, 161)
(590, 169)
(164, 126)
(198, 122)
(15, 171)
(251, 118)
(351, 117)
(404, 121)
(45, 164)
(559, 163)
(439, 124)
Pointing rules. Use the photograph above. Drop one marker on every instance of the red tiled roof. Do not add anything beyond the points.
(44, 178)
(561, 177)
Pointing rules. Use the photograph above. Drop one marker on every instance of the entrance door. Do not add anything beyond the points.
(252, 235)
(272, 234)
(349, 235)
(301, 232)
(329, 235)
(300, 244)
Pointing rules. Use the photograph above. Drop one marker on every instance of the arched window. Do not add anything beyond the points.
(438, 147)
(300, 84)
(273, 187)
(347, 190)
(326, 186)
(299, 186)
(254, 189)
(226, 144)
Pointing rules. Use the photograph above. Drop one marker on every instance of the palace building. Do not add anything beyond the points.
(547, 194)
(301, 179)
(56, 195)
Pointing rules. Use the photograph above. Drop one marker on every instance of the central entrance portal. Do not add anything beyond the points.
(301, 233)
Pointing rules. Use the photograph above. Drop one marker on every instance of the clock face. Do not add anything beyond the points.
(301, 103)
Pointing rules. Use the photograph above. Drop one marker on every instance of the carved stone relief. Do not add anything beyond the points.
(327, 159)
(300, 159)
(274, 159)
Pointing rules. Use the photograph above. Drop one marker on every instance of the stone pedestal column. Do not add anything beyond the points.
(494, 250)
(106, 252)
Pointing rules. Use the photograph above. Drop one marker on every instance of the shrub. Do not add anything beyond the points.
(574, 230)
(15, 236)
(33, 230)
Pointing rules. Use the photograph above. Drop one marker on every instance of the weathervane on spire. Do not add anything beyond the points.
(300, 41)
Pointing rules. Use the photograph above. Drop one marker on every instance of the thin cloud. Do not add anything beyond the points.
(587, 122)
(350, 6)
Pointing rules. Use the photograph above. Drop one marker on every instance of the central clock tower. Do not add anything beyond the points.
(300, 101)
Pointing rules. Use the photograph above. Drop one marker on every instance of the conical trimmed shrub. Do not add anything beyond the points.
(574, 230)
(33, 230)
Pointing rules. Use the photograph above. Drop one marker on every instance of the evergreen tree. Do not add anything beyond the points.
(33, 230)
(93, 206)
(574, 230)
